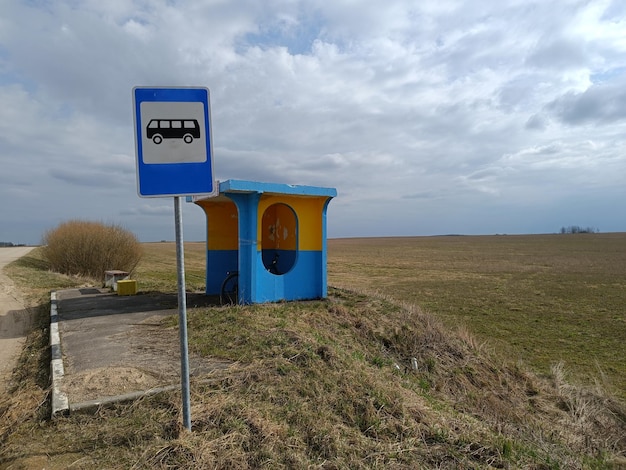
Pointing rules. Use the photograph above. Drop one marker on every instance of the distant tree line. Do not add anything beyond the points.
(578, 229)
(6, 244)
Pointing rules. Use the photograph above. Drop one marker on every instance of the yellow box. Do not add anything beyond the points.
(126, 287)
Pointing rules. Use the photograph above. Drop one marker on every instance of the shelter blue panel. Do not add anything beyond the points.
(219, 263)
(279, 261)
(304, 281)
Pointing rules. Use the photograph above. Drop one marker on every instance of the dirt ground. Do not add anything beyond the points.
(15, 318)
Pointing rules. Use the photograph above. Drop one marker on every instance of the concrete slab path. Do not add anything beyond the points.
(113, 346)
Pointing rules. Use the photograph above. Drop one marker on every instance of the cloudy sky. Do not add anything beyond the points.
(429, 117)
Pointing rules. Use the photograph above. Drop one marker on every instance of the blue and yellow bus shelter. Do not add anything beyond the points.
(274, 235)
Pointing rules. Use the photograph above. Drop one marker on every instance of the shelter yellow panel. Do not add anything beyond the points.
(279, 228)
(308, 212)
(222, 224)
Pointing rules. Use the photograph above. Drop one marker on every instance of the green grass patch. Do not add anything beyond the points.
(156, 271)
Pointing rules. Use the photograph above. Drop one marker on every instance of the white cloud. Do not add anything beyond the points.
(149, 210)
(445, 110)
(603, 103)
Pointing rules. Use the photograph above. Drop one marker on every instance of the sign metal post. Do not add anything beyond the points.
(182, 314)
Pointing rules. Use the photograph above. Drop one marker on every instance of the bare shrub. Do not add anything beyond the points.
(89, 248)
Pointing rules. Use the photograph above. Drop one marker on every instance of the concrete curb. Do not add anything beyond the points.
(60, 402)
(93, 405)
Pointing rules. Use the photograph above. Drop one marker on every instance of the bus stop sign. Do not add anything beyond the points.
(173, 142)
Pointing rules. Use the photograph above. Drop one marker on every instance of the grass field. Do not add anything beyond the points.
(157, 270)
(542, 298)
(367, 378)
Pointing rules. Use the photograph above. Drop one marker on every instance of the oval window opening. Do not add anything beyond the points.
(280, 238)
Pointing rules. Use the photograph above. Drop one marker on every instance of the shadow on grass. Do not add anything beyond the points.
(192, 299)
(34, 361)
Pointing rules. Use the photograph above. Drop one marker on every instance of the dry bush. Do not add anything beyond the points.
(89, 248)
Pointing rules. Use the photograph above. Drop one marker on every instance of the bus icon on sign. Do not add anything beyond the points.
(186, 129)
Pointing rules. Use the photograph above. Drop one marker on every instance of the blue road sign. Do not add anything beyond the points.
(173, 142)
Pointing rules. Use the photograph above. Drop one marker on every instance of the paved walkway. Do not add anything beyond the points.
(114, 346)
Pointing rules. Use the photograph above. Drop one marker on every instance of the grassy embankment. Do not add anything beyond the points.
(542, 298)
(330, 384)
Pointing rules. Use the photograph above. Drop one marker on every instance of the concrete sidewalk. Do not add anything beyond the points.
(107, 347)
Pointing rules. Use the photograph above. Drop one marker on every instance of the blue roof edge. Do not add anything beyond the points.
(244, 186)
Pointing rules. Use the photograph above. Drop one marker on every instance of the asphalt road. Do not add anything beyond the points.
(15, 319)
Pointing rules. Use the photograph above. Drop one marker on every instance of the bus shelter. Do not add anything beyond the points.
(268, 239)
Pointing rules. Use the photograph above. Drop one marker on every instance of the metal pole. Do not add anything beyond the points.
(182, 314)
